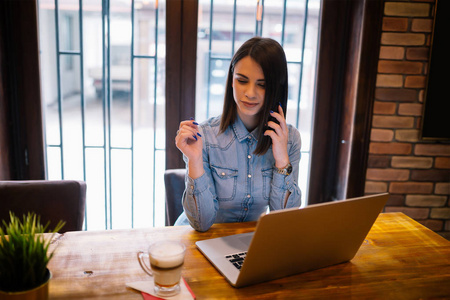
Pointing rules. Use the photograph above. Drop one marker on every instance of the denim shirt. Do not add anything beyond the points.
(237, 185)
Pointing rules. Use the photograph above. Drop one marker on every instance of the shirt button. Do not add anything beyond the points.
(246, 209)
(249, 156)
(223, 174)
(192, 187)
(249, 175)
(248, 196)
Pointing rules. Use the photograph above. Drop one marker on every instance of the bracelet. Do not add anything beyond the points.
(286, 170)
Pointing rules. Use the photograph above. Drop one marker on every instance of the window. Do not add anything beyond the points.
(103, 90)
(102, 79)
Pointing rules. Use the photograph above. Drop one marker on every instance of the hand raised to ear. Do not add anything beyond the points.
(279, 136)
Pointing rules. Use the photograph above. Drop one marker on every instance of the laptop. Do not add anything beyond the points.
(295, 240)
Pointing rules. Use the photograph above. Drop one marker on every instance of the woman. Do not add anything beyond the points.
(247, 159)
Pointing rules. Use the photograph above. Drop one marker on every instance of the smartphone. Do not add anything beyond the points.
(275, 109)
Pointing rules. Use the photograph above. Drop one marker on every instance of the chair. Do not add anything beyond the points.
(174, 183)
(52, 200)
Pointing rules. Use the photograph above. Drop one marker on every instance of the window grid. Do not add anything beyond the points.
(106, 144)
(107, 96)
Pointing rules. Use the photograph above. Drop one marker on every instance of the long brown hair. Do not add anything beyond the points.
(269, 54)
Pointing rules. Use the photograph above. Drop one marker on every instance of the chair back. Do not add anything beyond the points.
(52, 200)
(174, 183)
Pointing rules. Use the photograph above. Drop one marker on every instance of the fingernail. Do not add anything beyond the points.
(195, 137)
(191, 118)
(271, 111)
(279, 103)
(199, 134)
(195, 123)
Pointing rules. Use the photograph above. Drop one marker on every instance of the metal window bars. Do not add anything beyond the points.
(133, 195)
(113, 152)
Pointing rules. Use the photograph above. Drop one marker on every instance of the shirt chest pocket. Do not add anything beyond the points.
(225, 181)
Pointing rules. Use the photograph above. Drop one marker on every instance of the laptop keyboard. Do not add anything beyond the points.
(237, 259)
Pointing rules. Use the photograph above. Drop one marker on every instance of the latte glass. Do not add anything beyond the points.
(166, 260)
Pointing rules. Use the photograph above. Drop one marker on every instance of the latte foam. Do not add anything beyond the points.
(166, 255)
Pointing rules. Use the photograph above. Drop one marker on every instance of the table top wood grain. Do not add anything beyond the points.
(399, 259)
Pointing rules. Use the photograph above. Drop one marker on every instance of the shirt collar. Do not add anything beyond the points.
(241, 132)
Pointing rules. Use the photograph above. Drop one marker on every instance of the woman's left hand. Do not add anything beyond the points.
(279, 136)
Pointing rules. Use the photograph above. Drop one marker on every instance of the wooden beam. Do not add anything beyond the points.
(21, 92)
(181, 53)
(346, 77)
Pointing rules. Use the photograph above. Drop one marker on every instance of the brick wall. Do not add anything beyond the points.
(415, 172)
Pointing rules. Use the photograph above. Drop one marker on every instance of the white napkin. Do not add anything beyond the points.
(146, 286)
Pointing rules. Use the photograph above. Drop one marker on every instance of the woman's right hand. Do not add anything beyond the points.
(189, 141)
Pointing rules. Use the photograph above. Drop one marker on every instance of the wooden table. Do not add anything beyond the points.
(400, 259)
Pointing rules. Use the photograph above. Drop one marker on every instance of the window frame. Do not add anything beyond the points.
(347, 67)
(181, 48)
(22, 149)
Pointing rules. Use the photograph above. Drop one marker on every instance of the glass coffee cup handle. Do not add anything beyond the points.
(144, 266)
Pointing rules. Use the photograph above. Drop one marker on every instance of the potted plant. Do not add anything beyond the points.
(24, 257)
